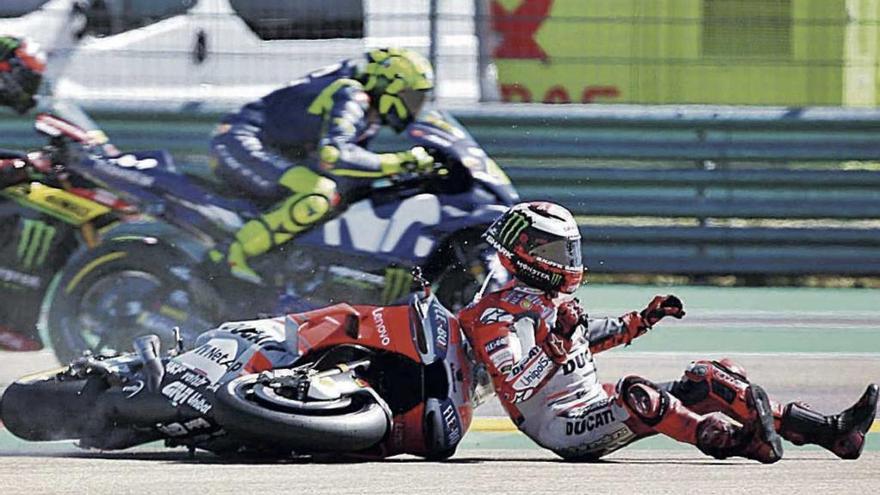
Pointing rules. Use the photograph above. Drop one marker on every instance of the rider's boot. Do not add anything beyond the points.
(722, 385)
(842, 433)
(314, 196)
(715, 433)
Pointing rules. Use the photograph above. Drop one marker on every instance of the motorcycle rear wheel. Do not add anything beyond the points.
(342, 426)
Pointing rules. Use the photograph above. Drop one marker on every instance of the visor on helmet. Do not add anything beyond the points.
(564, 253)
(413, 100)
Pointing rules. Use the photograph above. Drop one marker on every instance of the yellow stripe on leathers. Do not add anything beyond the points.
(504, 425)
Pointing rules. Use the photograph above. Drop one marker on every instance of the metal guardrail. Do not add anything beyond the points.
(709, 167)
(676, 132)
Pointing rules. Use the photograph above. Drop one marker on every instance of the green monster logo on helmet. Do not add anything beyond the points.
(512, 228)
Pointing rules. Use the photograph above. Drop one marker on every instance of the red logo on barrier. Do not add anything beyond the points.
(518, 29)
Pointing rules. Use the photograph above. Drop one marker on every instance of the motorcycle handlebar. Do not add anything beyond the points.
(439, 170)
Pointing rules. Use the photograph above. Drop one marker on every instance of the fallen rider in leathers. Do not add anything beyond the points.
(538, 345)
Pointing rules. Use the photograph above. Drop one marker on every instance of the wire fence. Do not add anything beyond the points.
(224, 52)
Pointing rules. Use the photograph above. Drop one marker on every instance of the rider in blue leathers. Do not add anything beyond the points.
(300, 150)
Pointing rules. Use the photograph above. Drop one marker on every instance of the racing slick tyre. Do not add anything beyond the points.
(109, 295)
(349, 424)
(42, 407)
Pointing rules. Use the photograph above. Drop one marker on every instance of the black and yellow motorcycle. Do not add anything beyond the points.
(44, 218)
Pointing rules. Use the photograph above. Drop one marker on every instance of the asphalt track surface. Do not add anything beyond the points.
(821, 346)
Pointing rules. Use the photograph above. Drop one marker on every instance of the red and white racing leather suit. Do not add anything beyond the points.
(562, 407)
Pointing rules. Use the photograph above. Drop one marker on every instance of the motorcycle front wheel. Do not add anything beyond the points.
(255, 413)
(108, 296)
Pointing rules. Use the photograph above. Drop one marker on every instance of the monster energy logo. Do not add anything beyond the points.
(36, 239)
(7, 44)
(515, 224)
(397, 284)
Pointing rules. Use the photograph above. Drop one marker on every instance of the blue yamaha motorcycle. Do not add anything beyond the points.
(157, 263)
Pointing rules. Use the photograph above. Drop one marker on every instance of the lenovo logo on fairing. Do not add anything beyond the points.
(379, 320)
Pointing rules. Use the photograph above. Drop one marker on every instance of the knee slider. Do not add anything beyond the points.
(644, 399)
(306, 209)
(315, 196)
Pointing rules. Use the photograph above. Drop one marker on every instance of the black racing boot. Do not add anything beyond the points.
(842, 433)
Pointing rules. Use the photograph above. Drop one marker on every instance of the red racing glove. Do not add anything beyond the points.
(661, 307)
(638, 324)
(569, 316)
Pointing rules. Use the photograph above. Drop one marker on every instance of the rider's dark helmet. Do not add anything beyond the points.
(21, 71)
(540, 244)
(398, 82)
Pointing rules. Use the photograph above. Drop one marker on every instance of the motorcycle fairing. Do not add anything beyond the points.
(151, 180)
(33, 246)
(446, 424)
(439, 130)
(432, 327)
(369, 326)
(407, 232)
(55, 202)
(239, 347)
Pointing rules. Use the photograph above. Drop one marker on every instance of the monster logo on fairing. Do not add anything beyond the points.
(33, 246)
(397, 284)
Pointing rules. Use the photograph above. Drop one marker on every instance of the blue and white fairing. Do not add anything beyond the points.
(151, 180)
(439, 341)
(411, 229)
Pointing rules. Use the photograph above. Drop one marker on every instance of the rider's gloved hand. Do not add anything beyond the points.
(569, 316)
(415, 160)
(12, 171)
(661, 307)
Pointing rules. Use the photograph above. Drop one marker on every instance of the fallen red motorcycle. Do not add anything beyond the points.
(365, 380)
